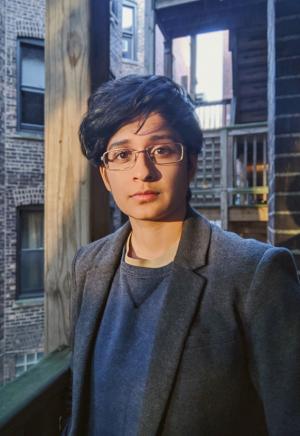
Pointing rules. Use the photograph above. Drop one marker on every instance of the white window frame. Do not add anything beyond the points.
(132, 36)
(27, 362)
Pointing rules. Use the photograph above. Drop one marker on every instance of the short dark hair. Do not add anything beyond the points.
(121, 101)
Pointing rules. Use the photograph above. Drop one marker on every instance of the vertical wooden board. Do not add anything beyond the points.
(66, 170)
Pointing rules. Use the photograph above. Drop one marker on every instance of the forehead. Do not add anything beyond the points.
(154, 127)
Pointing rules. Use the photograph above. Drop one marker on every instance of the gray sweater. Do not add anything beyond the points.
(123, 349)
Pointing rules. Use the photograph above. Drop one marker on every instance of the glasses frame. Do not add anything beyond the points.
(136, 153)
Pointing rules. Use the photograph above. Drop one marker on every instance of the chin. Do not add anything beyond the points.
(156, 214)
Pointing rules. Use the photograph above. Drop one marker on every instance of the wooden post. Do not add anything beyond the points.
(230, 170)
(149, 50)
(168, 58)
(224, 177)
(77, 60)
(193, 71)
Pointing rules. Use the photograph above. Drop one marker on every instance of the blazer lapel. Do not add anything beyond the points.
(181, 303)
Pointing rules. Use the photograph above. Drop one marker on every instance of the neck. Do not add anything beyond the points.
(151, 239)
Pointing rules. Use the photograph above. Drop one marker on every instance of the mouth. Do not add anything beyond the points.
(145, 195)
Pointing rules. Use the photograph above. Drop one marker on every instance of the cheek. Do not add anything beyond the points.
(118, 188)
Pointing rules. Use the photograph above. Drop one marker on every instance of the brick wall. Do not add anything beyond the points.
(2, 198)
(284, 124)
(22, 172)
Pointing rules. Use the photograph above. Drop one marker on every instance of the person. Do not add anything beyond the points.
(180, 328)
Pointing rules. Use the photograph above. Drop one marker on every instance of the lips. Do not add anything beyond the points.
(145, 195)
(149, 192)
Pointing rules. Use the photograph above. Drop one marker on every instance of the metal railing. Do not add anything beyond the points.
(32, 404)
(232, 169)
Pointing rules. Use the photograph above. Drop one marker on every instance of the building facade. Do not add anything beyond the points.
(22, 193)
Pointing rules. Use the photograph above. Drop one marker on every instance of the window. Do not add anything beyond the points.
(30, 233)
(128, 31)
(26, 361)
(31, 84)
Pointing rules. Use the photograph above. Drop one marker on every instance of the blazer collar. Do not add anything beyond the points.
(191, 253)
(194, 242)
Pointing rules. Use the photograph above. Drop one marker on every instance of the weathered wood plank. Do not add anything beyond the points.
(73, 64)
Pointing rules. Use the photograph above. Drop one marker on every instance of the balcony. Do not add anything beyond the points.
(32, 404)
(231, 184)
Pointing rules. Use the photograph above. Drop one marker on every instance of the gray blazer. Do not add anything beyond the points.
(226, 357)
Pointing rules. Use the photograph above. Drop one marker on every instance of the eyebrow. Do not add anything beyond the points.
(151, 138)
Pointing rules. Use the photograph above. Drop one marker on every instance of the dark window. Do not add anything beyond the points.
(128, 31)
(31, 84)
(30, 229)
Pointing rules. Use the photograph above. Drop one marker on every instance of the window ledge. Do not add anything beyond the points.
(35, 136)
(130, 61)
(35, 301)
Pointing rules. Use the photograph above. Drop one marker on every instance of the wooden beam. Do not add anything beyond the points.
(77, 56)
(237, 214)
(193, 70)
(168, 58)
(159, 4)
(194, 17)
(224, 180)
(248, 214)
(149, 38)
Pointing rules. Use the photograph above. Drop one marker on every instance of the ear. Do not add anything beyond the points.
(192, 166)
(103, 174)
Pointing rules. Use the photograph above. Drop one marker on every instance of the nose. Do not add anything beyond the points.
(144, 168)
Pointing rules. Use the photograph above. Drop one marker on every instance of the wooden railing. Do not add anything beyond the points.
(232, 169)
(214, 114)
(32, 404)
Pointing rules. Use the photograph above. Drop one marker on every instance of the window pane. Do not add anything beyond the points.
(32, 229)
(32, 270)
(19, 370)
(32, 68)
(127, 47)
(20, 360)
(31, 358)
(127, 19)
(32, 108)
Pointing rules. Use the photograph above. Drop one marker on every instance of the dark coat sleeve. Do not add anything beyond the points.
(272, 313)
(65, 418)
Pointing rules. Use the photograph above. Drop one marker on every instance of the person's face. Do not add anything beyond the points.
(149, 191)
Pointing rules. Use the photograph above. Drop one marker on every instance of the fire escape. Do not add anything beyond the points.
(231, 185)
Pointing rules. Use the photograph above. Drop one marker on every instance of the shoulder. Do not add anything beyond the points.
(232, 246)
(249, 261)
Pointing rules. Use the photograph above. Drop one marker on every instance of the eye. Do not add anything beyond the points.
(163, 150)
(120, 155)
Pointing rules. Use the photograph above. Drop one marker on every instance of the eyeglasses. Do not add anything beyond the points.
(120, 159)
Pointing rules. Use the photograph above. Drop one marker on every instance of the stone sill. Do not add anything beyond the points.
(130, 62)
(37, 301)
(33, 136)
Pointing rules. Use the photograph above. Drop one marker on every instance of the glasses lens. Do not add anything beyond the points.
(119, 159)
(167, 153)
